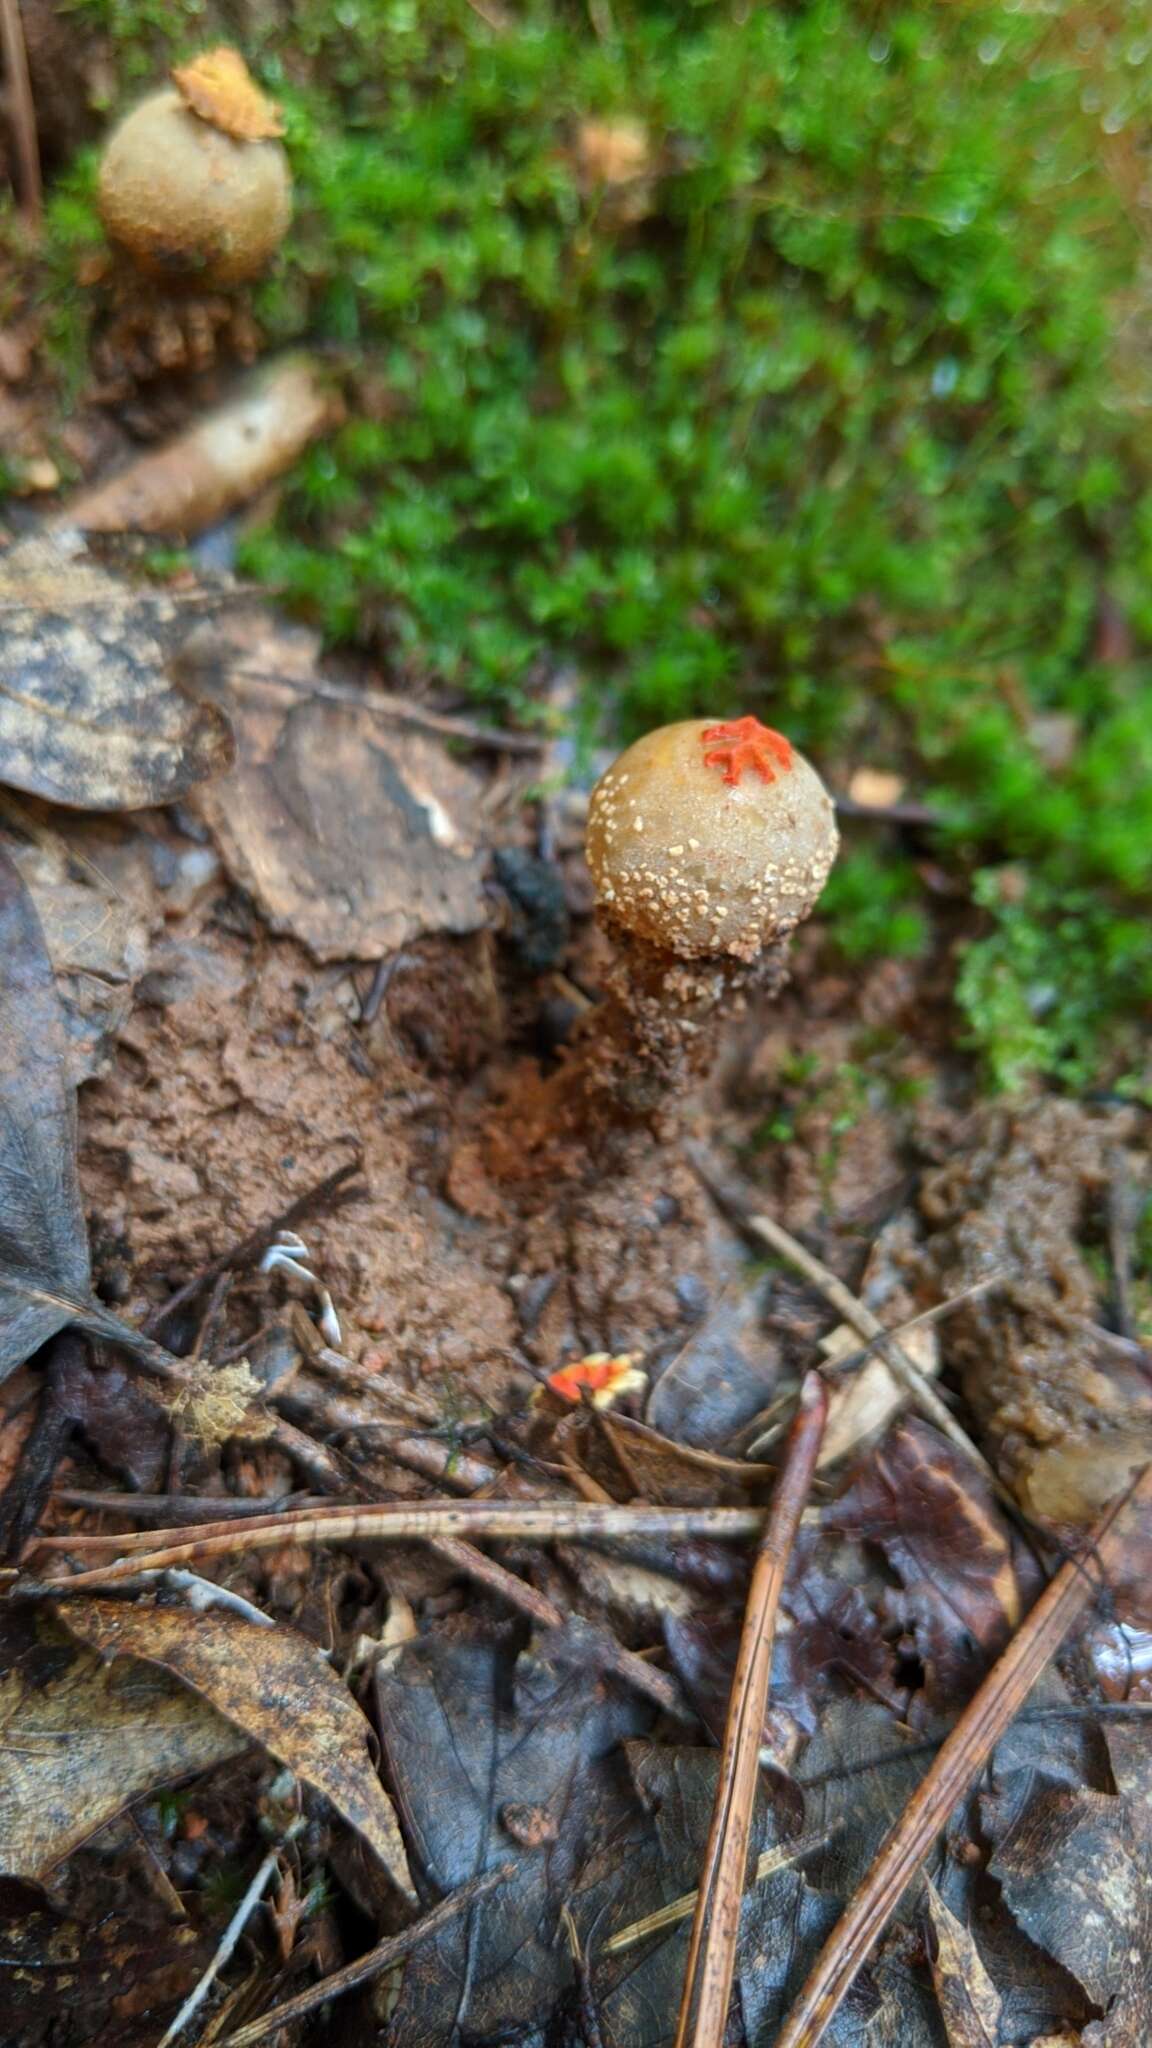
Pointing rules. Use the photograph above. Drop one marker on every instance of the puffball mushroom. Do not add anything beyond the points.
(193, 183)
(710, 838)
(707, 844)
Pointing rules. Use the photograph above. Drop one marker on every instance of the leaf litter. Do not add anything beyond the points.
(90, 712)
(506, 1752)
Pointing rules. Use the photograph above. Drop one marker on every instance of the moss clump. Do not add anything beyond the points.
(819, 388)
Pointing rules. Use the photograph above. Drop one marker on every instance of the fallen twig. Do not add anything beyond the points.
(960, 1759)
(229, 1938)
(182, 1509)
(402, 1522)
(716, 1924)
(608, 1653)
(382, 1957)
(903, 1368)
(386, 704)
(22, 108)
(779, 1858)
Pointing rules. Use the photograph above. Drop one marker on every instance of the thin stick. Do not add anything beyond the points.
(182, 1508)
(402, 1522)
(902, 1367)
(393, 1950)
(387, 705)
(230, 1937)
(849, 1360)
(779, 1858)
(961, 1758)
(612, 1656)
(23, 108)
(716, 1923)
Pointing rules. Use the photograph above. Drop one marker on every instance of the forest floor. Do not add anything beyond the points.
(375, 1584)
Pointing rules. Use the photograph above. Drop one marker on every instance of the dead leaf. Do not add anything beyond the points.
(476, 1737)
(273, 1685)
(1076, 1873)
(45, 1282)
(726, 1372)
(89, 713)
(81, 1739)
(219, 87)
(970, 2004)
(97, 942)
(43, 1242)
(863, 1404)
(935, 1520)
(351, 836)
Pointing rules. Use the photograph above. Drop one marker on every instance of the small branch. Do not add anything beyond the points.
(181, 1508)
(779, 1858)
(382, 1957)
(23, 109)
(938, 1313)
(386, 704)
(903, 1368)
(960, 1760)
(716, 1925)
(400, 1522)
(230, 1937)
(645, 1678)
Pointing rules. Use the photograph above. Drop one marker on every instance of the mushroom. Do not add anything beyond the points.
(194, 184)
(707, 844)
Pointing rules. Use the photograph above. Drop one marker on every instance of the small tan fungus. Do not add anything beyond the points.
(190, 199)
(710, 839)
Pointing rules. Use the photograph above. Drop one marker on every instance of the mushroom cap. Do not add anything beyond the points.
(186, 200)
(702, 846)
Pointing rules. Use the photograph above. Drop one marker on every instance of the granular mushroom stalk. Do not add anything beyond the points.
(707, 844)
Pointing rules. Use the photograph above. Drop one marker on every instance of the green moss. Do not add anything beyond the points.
(840, 414)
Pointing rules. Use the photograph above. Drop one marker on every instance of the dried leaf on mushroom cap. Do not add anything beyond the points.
(710, 839)
(219, 87)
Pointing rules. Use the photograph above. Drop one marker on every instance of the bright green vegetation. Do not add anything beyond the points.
(838, 411)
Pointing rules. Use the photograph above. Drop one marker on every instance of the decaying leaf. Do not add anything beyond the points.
(43, 1241)
(219, 87)
(45, 1282)
(89, 713)
(726, 1372)
(353, 836)
(494, 1759)
(1076, 1872)
(81, 1739)
(97, 941)
(970, 2004)
(940, 1530)
(275, 1687)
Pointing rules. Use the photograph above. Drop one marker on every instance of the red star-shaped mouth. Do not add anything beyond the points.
(745, 743)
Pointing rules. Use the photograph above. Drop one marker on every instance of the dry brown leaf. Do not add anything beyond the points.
(970, 2004)
(275, 1687)
(90, 714)
(219, 87)
(353, 836)
(97, 941)
(81, 1739)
